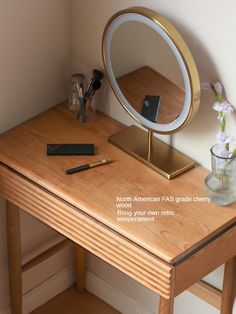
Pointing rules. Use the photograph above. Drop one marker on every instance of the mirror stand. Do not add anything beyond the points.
(154, 153)
(154, 77)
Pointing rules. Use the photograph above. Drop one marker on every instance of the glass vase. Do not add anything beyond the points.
(220, 184)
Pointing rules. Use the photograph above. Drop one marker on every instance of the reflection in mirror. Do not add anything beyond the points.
(143, 62)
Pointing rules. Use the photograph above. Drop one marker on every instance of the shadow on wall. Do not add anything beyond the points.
(208, 72)
(102, 95)
(107, 103)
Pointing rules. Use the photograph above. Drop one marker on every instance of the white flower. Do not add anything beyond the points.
(217, 106)
(223, 138)
(227, 107)
(205, 85)
(224, 106)
(218, 87)
(226, 145)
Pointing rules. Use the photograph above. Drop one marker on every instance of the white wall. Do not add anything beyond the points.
(207, 26)
(35, 53)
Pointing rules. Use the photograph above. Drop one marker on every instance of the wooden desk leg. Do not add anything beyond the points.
(14, 257)
(229, 287)
(166, 306)
(80, 266)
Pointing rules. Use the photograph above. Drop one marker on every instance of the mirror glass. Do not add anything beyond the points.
(147, 72)
(151, 70)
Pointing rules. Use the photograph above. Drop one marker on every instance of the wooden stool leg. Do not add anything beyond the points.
(14, 257)
(229, 287)
(166, 306)
(80, 266)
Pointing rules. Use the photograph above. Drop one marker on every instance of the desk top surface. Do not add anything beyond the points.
(95, 191)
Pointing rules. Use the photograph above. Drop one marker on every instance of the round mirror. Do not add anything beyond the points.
(151, 70)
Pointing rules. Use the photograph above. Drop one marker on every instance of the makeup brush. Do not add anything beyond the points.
(94, 87)
(78, 78)
(97, 75)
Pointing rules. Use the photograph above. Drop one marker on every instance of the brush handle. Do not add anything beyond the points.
(89, 88)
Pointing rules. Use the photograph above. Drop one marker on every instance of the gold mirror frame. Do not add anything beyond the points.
(156, 154)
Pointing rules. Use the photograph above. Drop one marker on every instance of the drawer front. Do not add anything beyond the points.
(87, 232)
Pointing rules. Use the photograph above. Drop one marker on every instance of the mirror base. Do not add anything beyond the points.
(163, 158)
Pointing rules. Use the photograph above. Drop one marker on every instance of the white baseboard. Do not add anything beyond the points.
(48, 289)
(112, 296)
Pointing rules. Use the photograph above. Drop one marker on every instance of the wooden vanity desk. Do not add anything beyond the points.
(168, 255)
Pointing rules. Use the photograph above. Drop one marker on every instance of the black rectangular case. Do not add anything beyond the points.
(70, 149)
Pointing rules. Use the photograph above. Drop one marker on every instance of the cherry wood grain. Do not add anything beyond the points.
(14, 257)
(205, 261)
(80, 266)
(94, 191)
(166, 306)
(70, 302)
(208, 293)
(146, 81)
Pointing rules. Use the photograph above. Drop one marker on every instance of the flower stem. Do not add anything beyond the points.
(217, 95)
(223, 121)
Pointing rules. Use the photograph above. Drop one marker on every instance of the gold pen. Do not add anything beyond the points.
(88, 166)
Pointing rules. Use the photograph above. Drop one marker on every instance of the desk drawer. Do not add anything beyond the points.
(84, 230)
